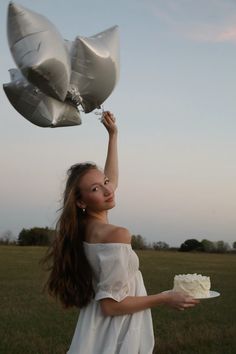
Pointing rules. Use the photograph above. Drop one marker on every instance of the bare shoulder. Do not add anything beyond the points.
(117, 234)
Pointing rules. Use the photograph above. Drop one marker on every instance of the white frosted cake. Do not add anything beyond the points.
(194, 285)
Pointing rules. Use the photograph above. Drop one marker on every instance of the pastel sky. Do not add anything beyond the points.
(175, 105)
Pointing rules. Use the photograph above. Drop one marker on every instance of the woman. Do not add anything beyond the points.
(95, 268)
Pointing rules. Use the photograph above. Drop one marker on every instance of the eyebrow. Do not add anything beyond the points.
(94, 184)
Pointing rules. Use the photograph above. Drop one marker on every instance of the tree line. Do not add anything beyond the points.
(190, 245)
(43, 236)
(36, 236)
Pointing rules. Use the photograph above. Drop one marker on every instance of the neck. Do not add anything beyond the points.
(99, 216)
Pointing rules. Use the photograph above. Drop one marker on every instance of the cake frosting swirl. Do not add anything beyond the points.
(194, 285)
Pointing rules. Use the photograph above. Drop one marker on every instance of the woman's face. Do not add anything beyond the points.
(97, 193)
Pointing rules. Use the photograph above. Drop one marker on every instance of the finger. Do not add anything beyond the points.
(193, 301)
(190, 300)
(109, 114)
(104, 122)
(104, 118)
(109, 120)
(106, 113)
(186, 306)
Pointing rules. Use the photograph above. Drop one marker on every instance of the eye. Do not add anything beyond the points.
(106, 181)
(95, 189)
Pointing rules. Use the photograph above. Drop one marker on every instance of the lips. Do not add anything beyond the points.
(110, 199)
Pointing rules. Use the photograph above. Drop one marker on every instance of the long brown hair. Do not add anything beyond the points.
(70, 277)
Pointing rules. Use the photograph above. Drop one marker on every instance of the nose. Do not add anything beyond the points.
(107, 190)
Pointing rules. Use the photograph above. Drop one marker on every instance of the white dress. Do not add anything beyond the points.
(116, 275)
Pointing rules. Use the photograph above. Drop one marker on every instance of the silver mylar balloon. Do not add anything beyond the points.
(56, 75)
(39, 51)
(94, 68)
(36, 106)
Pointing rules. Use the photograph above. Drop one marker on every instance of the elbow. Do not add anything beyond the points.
(107, 312)
(108, 307)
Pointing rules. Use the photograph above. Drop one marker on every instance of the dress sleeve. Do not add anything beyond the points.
(113, 279)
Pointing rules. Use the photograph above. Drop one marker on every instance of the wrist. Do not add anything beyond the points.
(162, 298)
(113, 135)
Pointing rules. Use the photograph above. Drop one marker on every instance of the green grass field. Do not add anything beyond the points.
(31, 323)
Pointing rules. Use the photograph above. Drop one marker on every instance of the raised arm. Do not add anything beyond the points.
(111, 164)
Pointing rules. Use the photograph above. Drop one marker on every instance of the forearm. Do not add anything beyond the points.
(111, 164)
(131, 304)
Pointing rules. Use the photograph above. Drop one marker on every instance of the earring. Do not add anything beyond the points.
(83, 210)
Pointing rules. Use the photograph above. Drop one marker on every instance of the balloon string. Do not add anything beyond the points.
(100, 112)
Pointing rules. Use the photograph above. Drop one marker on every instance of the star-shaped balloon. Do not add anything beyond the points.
(39, 108)
(56, 76)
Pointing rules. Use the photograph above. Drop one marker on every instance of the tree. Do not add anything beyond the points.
(36, 236)
(222, 247)
(7, 238)
(138, 242)
(160, 245)
(208, 246)
(191, 245)
(234, 245)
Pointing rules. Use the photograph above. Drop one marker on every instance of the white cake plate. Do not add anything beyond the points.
(211, 295)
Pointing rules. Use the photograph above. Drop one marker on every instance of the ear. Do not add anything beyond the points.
(80, 204)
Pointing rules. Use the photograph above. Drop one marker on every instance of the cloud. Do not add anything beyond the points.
(202, 20)
(210, 33)
(229, 34)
